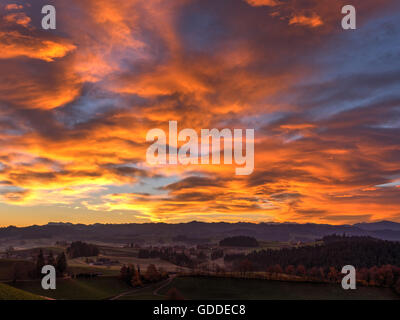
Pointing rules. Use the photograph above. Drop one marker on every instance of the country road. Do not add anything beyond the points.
(167, 282)
(127, 292)
(155, 291)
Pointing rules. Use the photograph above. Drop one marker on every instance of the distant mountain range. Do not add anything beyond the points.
(382, 225)
(198, 231)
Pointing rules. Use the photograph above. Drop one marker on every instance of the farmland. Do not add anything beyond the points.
(194, 288)
(78, 289)
(9, 293)
(130, 271)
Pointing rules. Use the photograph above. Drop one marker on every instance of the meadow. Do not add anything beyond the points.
(78, 289)
(191, 285)
(10, 293)
(194, 288)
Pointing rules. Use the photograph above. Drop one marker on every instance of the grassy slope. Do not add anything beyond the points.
(78, 265)
(10, 293)
(79, 289)
(143, 294)
(221, 288)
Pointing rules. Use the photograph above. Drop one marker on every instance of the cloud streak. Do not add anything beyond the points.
(76, 104)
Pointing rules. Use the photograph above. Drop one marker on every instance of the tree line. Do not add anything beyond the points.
(133, 276)
(239, 241)
(336, 251)
(176, 257)
(34, 270)
(81, 249)
(377, 261)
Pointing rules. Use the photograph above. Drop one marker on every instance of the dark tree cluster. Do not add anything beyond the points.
(81, 249)
(148, 253)
(23, 270)
(179, 259)
(232, 257)
(336, 251)
(377, 261)
(60, 263)
(239, 241)
(133, 277)
(169, 254)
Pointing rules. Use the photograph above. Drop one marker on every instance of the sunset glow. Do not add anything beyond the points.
(77, 102)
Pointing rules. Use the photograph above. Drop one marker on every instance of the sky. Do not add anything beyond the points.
(77, 102)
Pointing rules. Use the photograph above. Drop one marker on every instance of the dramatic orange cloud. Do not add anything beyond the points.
(313, 21)
(77, 102)
(13, 6)
(18, 18)
(258, 3)
(14, 44)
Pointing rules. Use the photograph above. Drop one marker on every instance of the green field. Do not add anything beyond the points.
(78, 265)
(78, 289)
(10, 293)
(118, 252)
(193, 288)
(46, 250)
(143, 294)
(227, 288)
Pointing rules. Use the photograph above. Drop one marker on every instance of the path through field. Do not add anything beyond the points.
(127, 293)
(155, 291)
(166, 283)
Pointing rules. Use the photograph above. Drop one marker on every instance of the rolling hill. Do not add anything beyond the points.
(10, 293)
(120, 233)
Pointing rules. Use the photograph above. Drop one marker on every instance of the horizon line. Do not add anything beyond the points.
(194, 221)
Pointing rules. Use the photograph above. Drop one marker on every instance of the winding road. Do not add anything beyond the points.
(155, 291)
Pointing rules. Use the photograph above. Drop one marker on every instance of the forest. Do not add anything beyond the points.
(81, 249)
(239, 241)
(335, 251)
